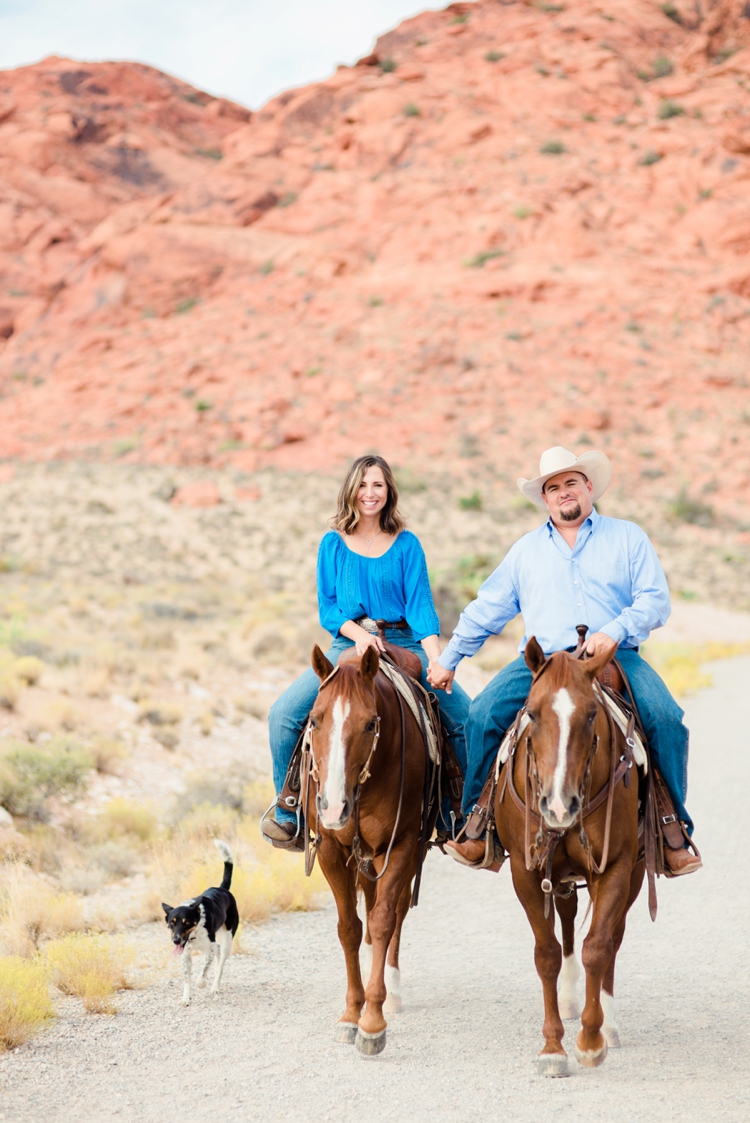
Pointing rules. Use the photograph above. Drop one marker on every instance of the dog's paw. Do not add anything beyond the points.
(201, 983)
(185, 1000)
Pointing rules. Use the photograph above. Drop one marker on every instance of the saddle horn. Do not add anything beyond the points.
(582, 629)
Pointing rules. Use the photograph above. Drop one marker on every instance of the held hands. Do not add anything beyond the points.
(439, 677)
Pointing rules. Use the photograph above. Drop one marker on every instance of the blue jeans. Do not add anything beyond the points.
(289, 711)
(492, 712)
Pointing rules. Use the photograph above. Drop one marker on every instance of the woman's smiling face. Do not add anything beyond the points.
(373, 493)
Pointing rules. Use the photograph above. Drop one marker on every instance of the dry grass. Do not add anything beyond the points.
(108, 755)
(25, 1003)
(31, 911)
(264, 881)
(123, 817)
(29, 669)
(10, 690)
(681, 665)
(90, 967)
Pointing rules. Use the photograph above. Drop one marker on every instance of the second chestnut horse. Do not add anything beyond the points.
(565, 810)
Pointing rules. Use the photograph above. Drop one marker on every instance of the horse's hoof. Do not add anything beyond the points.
(552, 1064)
(569, 1011)
(392, 1004)
(345, 1033)
(370, 1044)
(612, 1037)
(590, 1058)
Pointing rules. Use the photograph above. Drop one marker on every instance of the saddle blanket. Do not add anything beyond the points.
(407, 695)
(620, 718)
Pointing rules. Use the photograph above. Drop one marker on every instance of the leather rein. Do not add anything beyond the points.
(541, 854)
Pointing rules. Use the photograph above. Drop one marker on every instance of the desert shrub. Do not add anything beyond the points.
(669, 109)
(689, 510)
(30, 910)
(671, 12)
(649, 158)
(552, 148)
(30, 775)
(220, 788)
(387, 65)
(494, 56)
(90, 967)
(25, 1003)
(681, 664)
(471, 502)
(123, 817)
(411, 110)
(169, 738)
(10, 690)
(160, 713)
(478, 260)
(108, 755)
(29, 669)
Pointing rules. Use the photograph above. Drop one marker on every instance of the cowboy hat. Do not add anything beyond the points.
(594, 465)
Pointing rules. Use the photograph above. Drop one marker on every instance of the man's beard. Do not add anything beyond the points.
(570, 514)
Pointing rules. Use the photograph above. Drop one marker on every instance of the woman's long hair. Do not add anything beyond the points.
(347, 512)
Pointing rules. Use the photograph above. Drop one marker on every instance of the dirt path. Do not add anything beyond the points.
(464, 1045)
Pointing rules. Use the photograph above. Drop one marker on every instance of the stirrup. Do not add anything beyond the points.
(295, 841)
(493, 853)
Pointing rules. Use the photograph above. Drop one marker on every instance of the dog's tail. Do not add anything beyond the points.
(226, 854)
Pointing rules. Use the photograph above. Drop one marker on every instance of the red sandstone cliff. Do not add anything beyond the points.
(514, 224)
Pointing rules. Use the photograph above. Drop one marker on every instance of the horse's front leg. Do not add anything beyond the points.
(392, 969)
(609, 1025)
(553, 1060)
(381, 923)
(567, 996)
(610, 893)
(343, 883)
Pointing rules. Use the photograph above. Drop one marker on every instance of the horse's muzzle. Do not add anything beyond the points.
(559, 813)
(334, 818)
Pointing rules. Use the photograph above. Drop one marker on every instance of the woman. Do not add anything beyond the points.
(369, 568)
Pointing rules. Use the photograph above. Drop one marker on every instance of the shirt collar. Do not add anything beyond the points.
(589, 523)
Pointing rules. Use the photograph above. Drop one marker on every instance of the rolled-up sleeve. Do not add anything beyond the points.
(650, 606)
(331, 616)
(496, 604)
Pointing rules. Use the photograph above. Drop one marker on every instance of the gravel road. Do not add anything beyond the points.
(465, 1043)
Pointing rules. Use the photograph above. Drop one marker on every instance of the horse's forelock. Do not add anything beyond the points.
(348, 684)
(560, 671)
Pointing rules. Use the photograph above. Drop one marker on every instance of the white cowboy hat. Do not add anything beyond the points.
(594, 465)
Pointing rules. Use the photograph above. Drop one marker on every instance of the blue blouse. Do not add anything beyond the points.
(394, 586)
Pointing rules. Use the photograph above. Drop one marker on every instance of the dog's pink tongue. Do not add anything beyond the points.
(177, 949)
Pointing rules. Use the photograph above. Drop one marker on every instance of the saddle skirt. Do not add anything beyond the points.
(619, 715)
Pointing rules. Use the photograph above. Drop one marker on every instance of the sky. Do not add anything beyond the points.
(247, 50)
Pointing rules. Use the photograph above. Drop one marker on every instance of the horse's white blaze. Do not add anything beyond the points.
(567, 995)
(334, 790)
(564, 707)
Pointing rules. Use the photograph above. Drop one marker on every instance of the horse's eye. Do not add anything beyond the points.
(532, 717)
(313, 723)
(591, 718)
(370, 726)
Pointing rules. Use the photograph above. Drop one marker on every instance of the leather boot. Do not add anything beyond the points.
(681, 861)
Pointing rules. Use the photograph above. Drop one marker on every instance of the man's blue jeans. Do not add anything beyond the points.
(289, 711)
(492, 712)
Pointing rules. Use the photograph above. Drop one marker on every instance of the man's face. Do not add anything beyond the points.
(568, 498)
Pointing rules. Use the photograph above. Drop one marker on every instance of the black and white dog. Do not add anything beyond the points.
(207, 924)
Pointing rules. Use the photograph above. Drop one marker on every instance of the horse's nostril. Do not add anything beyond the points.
(324, 802)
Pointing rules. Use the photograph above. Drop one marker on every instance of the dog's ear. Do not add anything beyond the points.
(167, 908)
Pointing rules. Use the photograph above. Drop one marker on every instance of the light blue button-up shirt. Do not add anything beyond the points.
(611, 581)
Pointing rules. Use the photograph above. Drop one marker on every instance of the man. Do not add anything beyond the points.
(576, 568)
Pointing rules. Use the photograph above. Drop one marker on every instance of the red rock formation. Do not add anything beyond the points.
(513, 224)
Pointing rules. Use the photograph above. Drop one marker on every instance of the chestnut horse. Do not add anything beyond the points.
(563, 777)
(362, 789)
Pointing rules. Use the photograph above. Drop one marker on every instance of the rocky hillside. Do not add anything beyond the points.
(512, 224)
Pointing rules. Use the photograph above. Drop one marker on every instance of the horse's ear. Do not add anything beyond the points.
(368, 668)
(534, 656)
(597, 663)
(322, 666)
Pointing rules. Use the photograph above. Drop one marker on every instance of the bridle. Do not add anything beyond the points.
(363, 861)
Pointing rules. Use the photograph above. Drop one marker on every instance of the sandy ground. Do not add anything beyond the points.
(465, 1042)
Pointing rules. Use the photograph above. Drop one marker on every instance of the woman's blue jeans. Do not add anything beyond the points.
(492, 712)
(289, 711)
